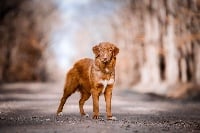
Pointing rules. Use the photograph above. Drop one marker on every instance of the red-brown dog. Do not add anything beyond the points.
(94, 77)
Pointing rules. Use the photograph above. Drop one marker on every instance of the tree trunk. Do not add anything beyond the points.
(170, 46)
(24, 31)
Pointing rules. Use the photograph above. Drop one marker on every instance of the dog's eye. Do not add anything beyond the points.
(110, 50)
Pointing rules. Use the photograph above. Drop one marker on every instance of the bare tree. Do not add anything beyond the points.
(161, 42)
(24, 30)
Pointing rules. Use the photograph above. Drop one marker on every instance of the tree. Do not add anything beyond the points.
(25, 32)
(161, 41)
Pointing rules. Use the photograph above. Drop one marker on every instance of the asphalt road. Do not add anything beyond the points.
(31, 107)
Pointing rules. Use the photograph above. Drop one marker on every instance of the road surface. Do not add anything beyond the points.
(31, 107)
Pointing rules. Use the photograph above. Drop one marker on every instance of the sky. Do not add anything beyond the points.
(89, 17)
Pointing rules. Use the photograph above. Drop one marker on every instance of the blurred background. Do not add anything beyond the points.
(159, 41)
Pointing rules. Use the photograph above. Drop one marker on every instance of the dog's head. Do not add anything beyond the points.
(105, 52)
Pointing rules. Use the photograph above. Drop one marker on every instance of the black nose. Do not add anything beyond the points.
(105, 60)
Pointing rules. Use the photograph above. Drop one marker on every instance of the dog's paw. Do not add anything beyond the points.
(85, 115)
(95, 117)
(112, 118)
(59, 114)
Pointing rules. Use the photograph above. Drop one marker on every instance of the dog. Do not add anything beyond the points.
(93, 77)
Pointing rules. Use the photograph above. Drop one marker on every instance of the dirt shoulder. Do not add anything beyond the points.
(31, 108)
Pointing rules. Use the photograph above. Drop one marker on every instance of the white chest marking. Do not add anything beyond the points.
(107, 70)
(105, 83)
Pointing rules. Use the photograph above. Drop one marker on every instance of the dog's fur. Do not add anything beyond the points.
(93, 77)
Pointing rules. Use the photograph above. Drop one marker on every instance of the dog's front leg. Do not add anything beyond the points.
(95, 97)
(108, 97)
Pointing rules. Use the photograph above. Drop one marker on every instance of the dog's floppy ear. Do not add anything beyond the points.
(96, 50)
(116, 50)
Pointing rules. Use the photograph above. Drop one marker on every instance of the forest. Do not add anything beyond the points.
(159, 41)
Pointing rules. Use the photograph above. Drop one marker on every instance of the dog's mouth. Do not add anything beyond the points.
(105, 61)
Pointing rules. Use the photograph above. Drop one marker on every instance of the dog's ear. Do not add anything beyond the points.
(116, 50)
(95, 50)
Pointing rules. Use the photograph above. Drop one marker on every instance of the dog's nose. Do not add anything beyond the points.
(105, 60)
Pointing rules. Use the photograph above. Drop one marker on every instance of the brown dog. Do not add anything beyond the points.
(93, 77)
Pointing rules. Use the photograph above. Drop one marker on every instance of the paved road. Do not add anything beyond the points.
(31, 107)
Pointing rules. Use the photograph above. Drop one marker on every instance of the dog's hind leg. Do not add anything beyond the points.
(70, 87)
(62, 102)
(84, 97)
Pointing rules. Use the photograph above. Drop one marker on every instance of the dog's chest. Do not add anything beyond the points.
(101, 79)
(105, 83)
